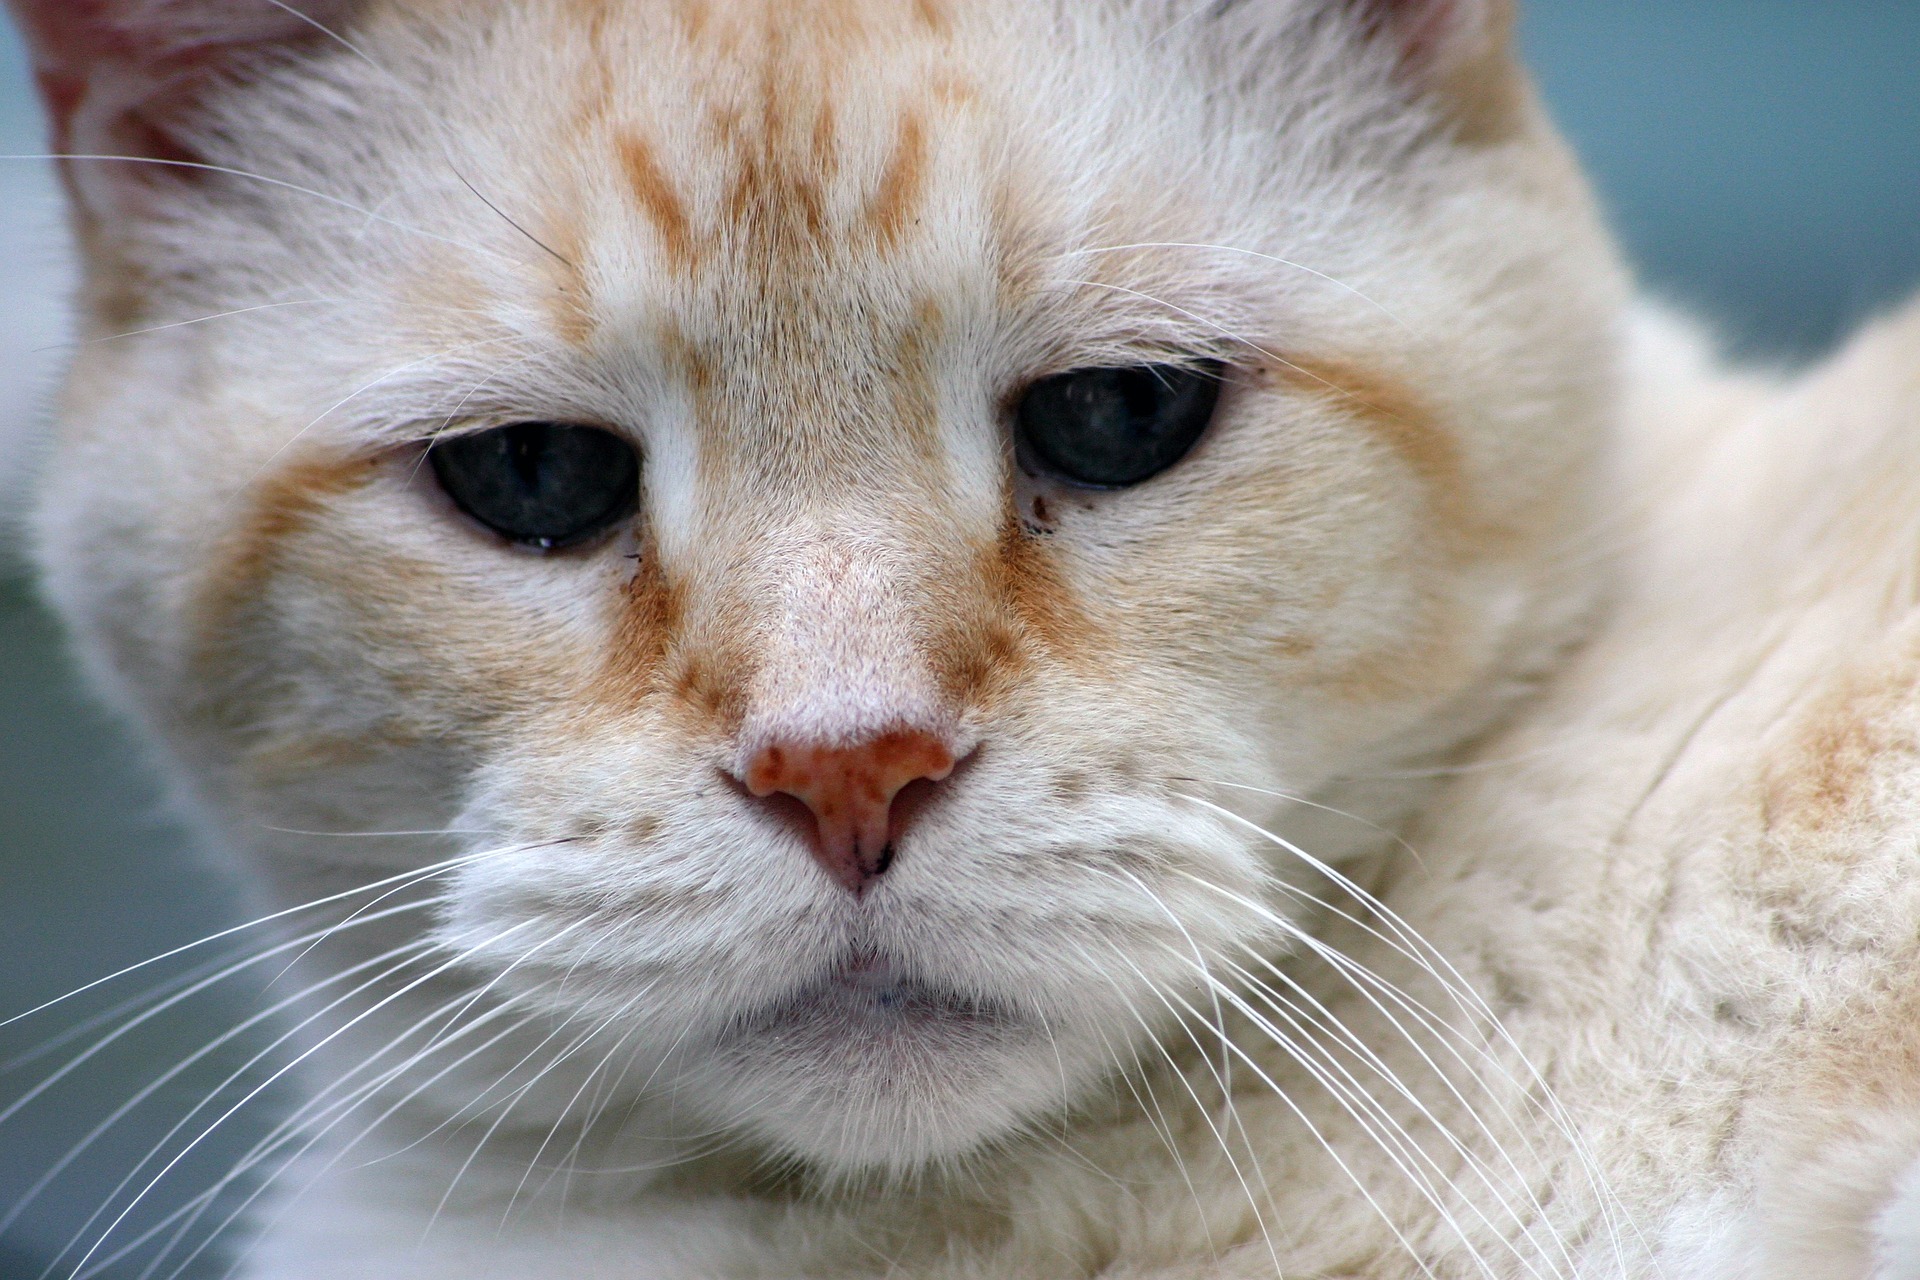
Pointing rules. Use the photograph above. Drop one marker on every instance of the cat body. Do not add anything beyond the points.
(855, 853)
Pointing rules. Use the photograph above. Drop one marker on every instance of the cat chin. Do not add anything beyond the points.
(871, 1070)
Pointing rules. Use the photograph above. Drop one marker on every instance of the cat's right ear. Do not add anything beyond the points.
(125, 78)
(1455, 55)
(1458, 53)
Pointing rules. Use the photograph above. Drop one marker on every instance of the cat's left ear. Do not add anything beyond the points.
(123, 77)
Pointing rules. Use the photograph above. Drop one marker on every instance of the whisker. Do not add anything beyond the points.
(411, 92)
(555, 254)
(1251, 345)
(361, 390)
(1400, 1148)
(1226, 1148)
(410, 950)
(1198, 958)
(1410, 944)
(330, 34)
(509, 1103)
(1388, 832)
(1393, 1139)
(281, 183)
(474, 999)
(297, 1126)
(303, 1056)
(154, 1086)
(98, 1046)
(1251, 253)
(1430, 960)
(1305, 1021)
(567, 1108)
(288, 1130)
(1364, 982)
(182, 324)
(343, 895)
(1333, 1154)
(1158, 1119)
(159, 991)
(446, 423)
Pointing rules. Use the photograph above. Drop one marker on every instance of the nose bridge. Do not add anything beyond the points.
(844, 654)
(838, 529)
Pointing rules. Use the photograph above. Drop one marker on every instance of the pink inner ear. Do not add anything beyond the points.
(1434, 34)
(104, 56)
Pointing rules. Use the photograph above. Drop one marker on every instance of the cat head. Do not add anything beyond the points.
(850, 511)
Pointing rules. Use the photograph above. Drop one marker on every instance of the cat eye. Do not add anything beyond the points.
(1110, 428)
(542, 484)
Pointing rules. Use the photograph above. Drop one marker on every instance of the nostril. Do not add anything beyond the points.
(851, 790)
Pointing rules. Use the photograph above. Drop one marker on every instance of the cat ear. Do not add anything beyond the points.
(122, 77)
(1458, 52)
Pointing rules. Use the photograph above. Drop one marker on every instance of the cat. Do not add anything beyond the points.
(807, 599)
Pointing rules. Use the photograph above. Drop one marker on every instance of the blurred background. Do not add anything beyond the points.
(1761, 159)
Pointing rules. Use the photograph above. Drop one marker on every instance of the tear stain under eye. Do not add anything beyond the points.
(649, 615)
(1026, 610)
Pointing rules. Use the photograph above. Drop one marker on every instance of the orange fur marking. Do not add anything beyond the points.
(658, 199)
(650, 613)
(1489, 96)
(282, 505)
(1859, 731)
(978, 664)
(1413, 430)
(713, 690)
(933, 16)
(902, 183)
(1019, 572)
(826, 158)
(916, 405)
(693, 16)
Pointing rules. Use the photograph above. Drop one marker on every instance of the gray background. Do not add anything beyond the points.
(1762, 161)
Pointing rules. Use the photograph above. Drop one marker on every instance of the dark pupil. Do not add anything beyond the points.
(546, 484)
(1116, 427)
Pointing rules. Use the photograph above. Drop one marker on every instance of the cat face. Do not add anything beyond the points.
(846, 509)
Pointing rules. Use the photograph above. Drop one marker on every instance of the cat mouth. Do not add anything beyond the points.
(866, 997)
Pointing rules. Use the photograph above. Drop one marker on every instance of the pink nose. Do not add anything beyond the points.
(851, 790)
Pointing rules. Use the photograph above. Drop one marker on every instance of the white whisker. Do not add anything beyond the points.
(410, 950)
(414, 874)
(1251, 253)
(1408, 943)
(277, 1075)
(280, 183)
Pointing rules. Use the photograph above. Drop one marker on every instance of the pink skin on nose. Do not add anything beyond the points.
(851, 792)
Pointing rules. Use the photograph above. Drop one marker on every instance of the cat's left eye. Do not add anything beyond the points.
(1111, 428)
(541, 484)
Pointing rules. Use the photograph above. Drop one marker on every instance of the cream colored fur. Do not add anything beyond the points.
(802, 254)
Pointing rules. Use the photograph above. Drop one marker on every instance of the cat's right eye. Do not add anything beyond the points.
(541, 484)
